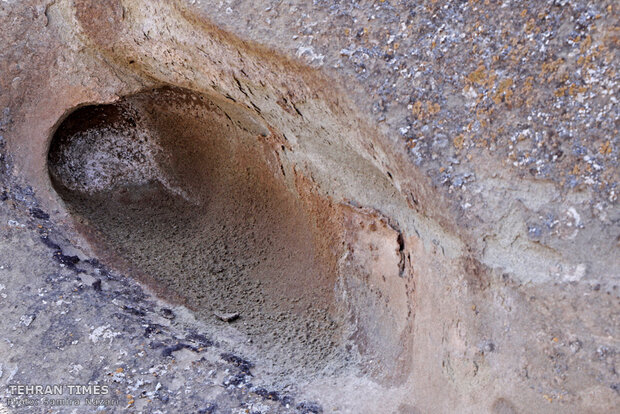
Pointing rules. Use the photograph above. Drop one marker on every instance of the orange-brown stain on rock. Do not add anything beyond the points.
(100, 19)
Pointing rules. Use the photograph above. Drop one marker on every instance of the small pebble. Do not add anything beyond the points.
(227, 317)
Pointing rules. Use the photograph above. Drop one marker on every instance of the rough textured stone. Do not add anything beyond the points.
(454, 166)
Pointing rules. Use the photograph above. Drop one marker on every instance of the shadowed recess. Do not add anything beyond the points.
(183, 188)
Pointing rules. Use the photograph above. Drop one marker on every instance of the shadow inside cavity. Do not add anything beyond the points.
(170, 184)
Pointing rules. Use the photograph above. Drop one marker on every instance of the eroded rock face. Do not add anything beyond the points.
(205, 212)
(232, 179)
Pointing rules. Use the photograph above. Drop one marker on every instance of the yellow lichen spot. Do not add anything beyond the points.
(551, 67)
(432, 108)
(605, 148)
(416, 109)
(548, 398)
(523, 12)
(574, 89)
(422, 110)
(490, 81)
(119, 370)
(478, 75)
(586, 43)
(459, 141)
(347, 31)
(555, 339)
(559, 92)
(503, 91)
(530, 25)
(527, 85)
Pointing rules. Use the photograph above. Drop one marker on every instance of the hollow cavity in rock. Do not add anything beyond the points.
(184, 188)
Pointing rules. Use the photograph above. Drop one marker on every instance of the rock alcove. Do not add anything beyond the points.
(189, 193)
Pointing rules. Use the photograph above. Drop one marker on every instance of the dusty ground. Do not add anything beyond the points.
(452, 167)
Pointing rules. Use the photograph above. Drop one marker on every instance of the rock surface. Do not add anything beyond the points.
(459, 159)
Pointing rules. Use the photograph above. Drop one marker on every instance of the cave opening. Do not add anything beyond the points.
(187, 189)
